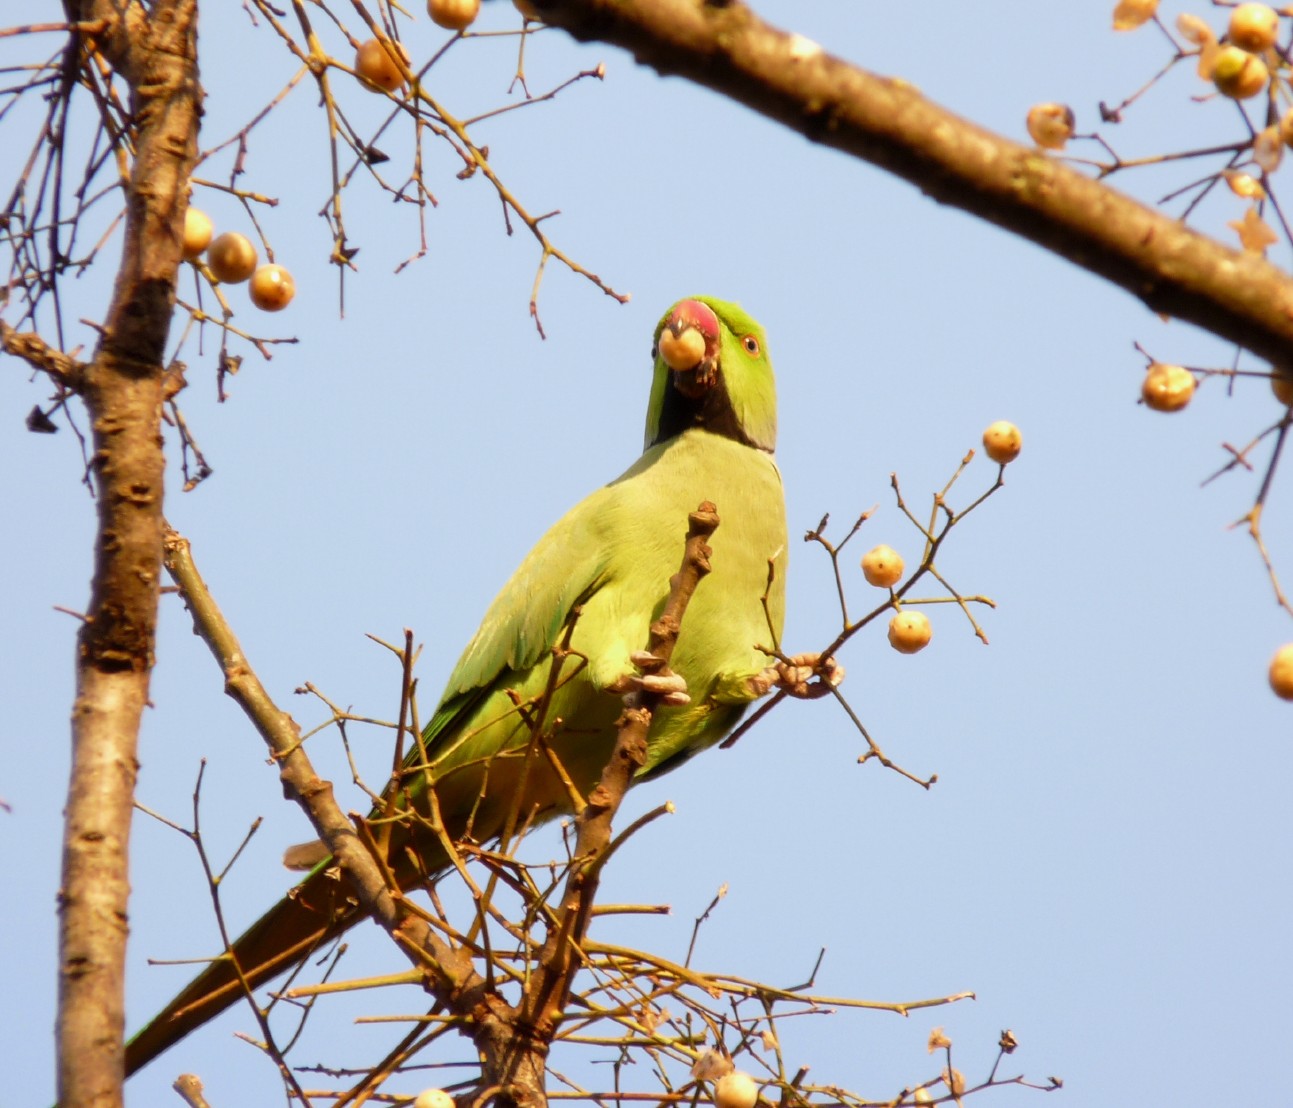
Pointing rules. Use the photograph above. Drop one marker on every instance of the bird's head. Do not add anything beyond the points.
(712, 372)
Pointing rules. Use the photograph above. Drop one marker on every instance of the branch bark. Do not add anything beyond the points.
(38, 354)
(425, 950)
(1174, 270)
(156, 52)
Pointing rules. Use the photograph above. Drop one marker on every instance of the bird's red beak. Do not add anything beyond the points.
(689, 345)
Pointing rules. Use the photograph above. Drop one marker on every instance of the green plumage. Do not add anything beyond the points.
(605, 565)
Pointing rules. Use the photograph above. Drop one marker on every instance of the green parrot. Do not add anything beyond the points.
(600, 574)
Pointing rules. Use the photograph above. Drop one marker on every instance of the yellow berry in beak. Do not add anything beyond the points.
(682, 352)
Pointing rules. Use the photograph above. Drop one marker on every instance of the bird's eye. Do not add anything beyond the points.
(751, 345)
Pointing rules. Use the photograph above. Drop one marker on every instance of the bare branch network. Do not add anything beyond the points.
(886, 121)
(65, 205)
(1175, 270)
(523, 973)
(526, 977)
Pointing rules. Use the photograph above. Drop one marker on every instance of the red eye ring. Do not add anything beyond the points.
(751, 345)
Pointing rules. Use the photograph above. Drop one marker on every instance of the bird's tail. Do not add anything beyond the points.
(313, 912)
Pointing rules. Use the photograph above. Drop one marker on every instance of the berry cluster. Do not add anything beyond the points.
(231, 259)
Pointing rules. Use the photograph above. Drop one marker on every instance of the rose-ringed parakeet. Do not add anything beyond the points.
(600, 574)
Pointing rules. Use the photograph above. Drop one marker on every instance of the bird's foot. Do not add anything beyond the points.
(655, 677)
(795, 676)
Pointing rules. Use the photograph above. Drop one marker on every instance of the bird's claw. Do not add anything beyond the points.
(670, 687)
(795, 676)
(657, 678)
(646, 661)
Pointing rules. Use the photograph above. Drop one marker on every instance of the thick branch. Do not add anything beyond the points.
(38, 354)
(1174, 270)
(122, 390)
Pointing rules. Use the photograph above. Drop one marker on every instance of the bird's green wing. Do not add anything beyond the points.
(528, 616)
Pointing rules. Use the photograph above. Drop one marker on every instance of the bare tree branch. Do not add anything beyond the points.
(726, 47)
(302, 783)
(38, 354)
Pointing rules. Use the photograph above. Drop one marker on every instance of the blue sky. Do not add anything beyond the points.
(1104, 858)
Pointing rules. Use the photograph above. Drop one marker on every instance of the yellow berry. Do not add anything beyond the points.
(1282, 387)
(1050, 125)
(1239, 74)
(882, 566)
(681, 352)
(1281, 672)
(433, 1098)
(272, 288)
(1254, 27)
(910, 632)
(1003, 442)
(736, 1090)
(231, 258)
(456, 15)
(1167, 388)
(376, 67)
(197, 232)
